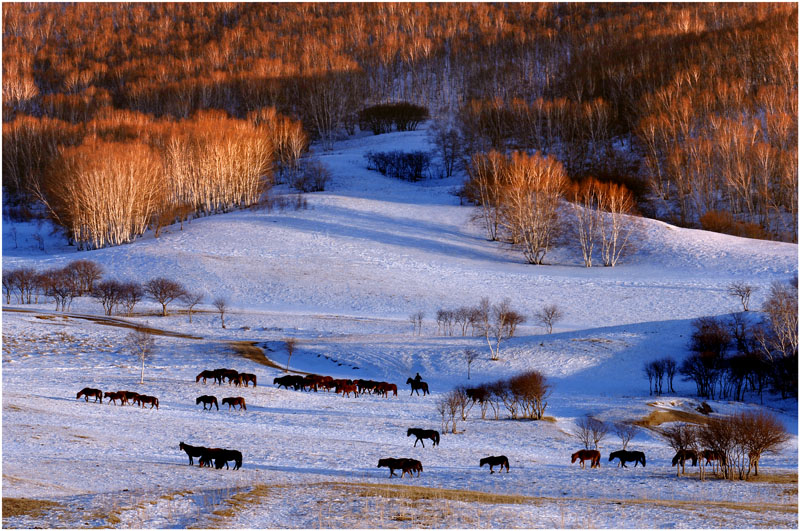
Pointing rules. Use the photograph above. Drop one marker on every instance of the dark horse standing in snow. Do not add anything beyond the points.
(493, 461)
(423, 434)
(417, 385)
(625, 456)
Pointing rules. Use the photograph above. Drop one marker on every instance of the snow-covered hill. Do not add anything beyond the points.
(343, 276)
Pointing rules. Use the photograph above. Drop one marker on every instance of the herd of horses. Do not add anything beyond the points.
(218, 457)
(233, 377)
(124, 397)
(344, 387)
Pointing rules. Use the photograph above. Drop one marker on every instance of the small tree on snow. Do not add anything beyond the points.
(191, 300)
(291, 343)
(142, 345)
(743, 291)
(221, 304)
(625, 432)
(470, 355)
(548, 316)
(164, 291)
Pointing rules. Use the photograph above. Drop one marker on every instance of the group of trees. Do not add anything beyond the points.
(108, 180)
(740, 439)
(406, 165)
(403, 115)
(524, 396)
(519, 196)
(732, 356)
(85, 278)
(700, 97)
(656, 371)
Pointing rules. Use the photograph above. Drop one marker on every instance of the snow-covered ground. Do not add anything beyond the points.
(342, 277)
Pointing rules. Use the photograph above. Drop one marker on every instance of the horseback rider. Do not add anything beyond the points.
(417, 378)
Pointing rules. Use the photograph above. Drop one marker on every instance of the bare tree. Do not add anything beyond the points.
(416, 321)
(221, 304)
(456, 402)
(87, 273)
(531, 391)
(470, 355)
(130, 294)
(548, 316)
(625, 432)
(443, 409)
(164, 291)
(142, 345)
(291, 344)
(192, 299)
(761, 432)
(108, 293)
(743, 291)
(8, 285)
(496, 323)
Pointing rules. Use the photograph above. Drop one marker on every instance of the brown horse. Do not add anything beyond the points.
(493, 461)
(145, 399)
(113, 397)
(230, 374)
(681, 457)
(128, 396)
(714, 458)
(346, 389)
(246, 378)
(86, 392)
(383, 389)
(587, 455)
(233, 401)
(207, 400)
(206, 374)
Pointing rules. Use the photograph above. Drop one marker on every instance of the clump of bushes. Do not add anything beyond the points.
(410, 166)
(403, 115)
(524, 396)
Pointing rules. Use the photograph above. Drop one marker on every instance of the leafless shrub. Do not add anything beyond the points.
(470, 355)
(548, 316)
(221, 304)
(743, 291)
(87, 273)
(531, 391)
(130, 294)
(192, 299)
(108, 293)
(164, 291)
(291, 344)
(626, 432)
(142, 345)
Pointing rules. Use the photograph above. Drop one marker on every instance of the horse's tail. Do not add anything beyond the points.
(156, 402)
(436, 437)
(254, 380)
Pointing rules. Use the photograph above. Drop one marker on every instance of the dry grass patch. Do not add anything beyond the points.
(415, 493)
(26, 506)
(251, 351)
(656, 418)
(239, 501)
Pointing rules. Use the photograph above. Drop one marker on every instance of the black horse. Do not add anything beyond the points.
(495, 460)
(219, 457)
(192, 451)
(416, 386)
(423, 434)
(625, 456)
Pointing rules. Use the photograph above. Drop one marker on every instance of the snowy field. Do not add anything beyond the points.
(342, 277)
